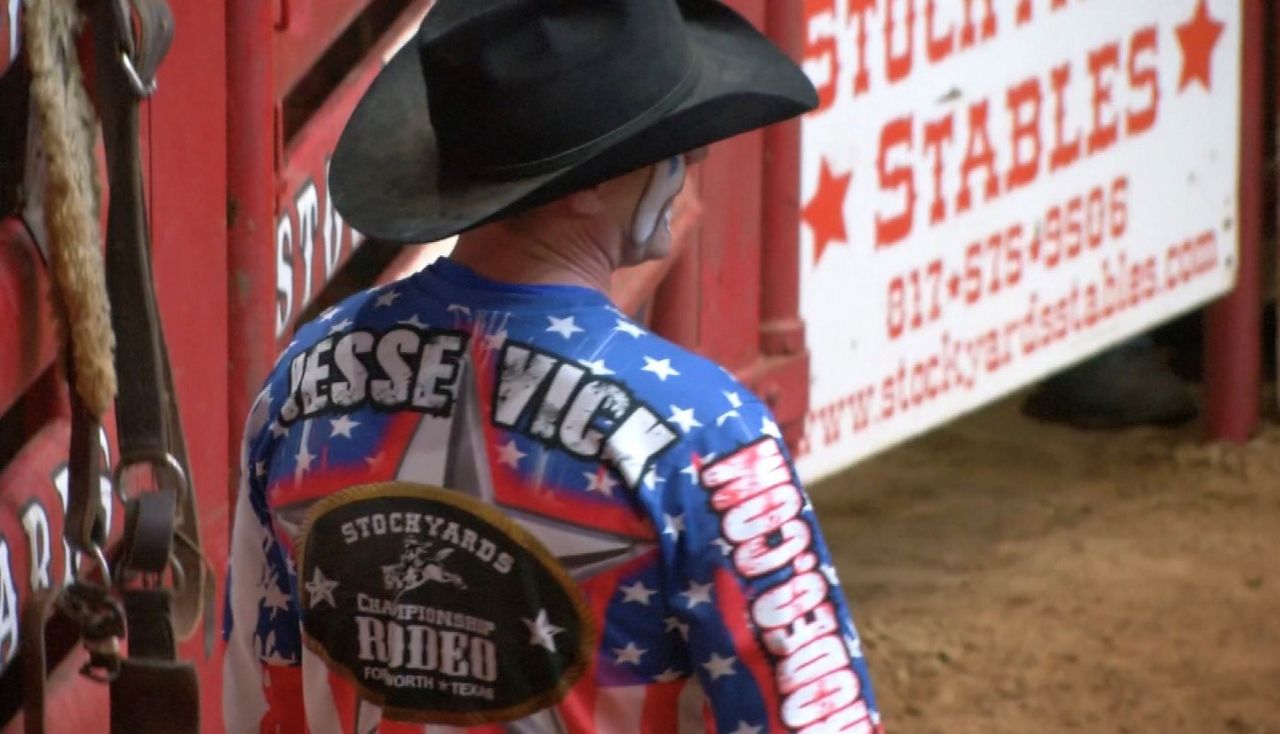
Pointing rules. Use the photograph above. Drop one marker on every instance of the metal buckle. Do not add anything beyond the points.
(100, 558)
(163, 465)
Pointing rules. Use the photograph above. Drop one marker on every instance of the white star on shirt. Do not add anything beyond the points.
(829, 571)
(697, 593)
(541, 631)
(414, 322)
(273, 598)
(668, 675)
(652, 480)
(386, 299)
(745, 728)
(510, 454)
(683, 417)
(305, 457)
(342, 325)
(629, 654)
(674, 525)
(769, 428)
(718, 666)
(725, 546)
(326, 316)
(278, 430)
(637, 592)
(600, 481)
(693, 469)
(660, 367)
(854, 645)
(597, 366)
(629, 328)
(342, 426)
(734, 400)
(320, 589)
(674, 623)
(565, 327)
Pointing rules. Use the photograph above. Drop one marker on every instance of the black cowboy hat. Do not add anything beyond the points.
(501, 105)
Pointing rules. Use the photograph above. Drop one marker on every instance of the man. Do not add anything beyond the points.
(481, 498)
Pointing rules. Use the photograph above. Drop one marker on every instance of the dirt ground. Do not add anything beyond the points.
(1010, 577)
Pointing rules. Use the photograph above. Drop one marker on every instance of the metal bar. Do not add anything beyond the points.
(251, 147)
(1272, 186)
(781, 329)
(1233, 325)
(303, 31)
(312, 242)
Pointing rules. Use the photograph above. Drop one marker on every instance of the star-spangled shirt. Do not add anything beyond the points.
(715, 599)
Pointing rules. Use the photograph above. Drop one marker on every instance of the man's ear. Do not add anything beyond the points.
(587, 202)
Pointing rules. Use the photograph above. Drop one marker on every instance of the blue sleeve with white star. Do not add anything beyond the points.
(261, 622)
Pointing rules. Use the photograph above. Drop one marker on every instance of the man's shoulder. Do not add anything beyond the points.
(672, 378)
(379, 307)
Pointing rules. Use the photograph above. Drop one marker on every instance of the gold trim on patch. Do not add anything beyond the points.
(505, 525)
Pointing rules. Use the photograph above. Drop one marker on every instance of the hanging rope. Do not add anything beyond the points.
(67, 126)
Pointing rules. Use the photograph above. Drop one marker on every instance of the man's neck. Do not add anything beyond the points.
(500, 252)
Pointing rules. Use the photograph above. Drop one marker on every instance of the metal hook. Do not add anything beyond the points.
(141, 88)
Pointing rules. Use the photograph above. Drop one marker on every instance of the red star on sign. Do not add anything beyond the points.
(1197, 37)
(825, 211)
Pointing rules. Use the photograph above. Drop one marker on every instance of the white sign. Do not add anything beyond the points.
(993, 189)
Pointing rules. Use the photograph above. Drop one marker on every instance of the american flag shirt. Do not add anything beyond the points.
(656, 481)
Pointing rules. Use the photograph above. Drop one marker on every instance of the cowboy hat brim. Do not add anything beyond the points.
(385, 175)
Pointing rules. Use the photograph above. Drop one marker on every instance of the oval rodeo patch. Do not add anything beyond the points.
(437, 607)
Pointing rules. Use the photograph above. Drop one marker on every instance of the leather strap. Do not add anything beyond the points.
(155, 697)
(150, 675)
(148, 536)
(85, 528)
(188, 609)
(35, 614)
(137, 33)
(141, 404)
(147, 415)
(131, 38)
(150, 636)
